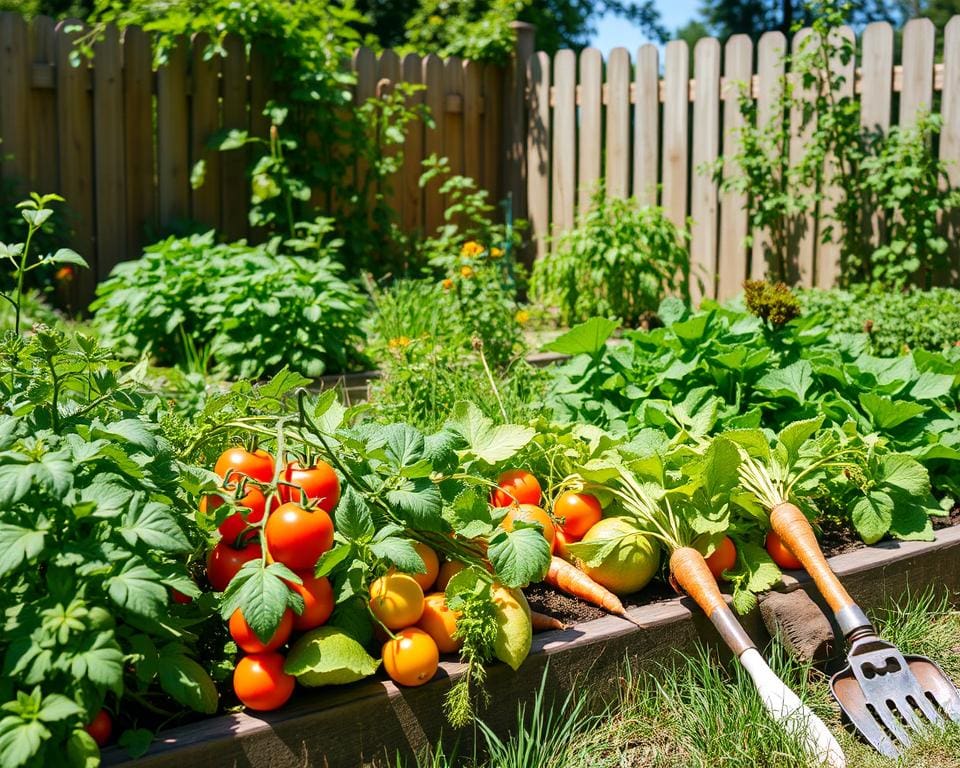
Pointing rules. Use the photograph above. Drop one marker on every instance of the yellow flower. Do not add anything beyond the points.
(466, 271)
(447, 284)
(496, 253)
(471, 248)
(435, 20)
(400, 342)
(522, 317)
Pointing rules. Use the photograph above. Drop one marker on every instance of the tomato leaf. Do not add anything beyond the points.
(18, 544)
(136, 741)
(401, 553)
(520, 556)
(137, 588)
(887, 414)
(419, 503)
(485, 441)
(152, 524)
(262, 595)
(872, 515)
(186, 681)
(352, 516)
(330, 559)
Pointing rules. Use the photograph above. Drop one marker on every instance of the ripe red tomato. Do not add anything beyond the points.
(224, 561)
(260, 682)
(239, 461)
(179, 597)
(297, 537)
(579, 512)
(319, 482)
(780, 554)
(318, 602)
(516, 486)
(724, 557)
(244, 636)
(235, 525)
(100, 728)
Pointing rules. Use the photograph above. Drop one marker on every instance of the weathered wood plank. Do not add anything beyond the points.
(472, 92)
(801, 235)
(563, 181)
(492, 130)
(950, 136)
(538, 150)
(15, 100)
(617, 170)
(675, 118)
(44, 171)
(646, 125)
(433, 138)
(589, 148)
(919, 45)
(173, 138)
(412, 210)
(109, 170)
(139, 138)
(233, 163)
(876, 76)
(453, 121)
(703, 204)
(204, 123)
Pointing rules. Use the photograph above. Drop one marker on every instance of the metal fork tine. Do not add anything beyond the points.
(870, 729)
(892, 724)
(904, 708)
(929, 711)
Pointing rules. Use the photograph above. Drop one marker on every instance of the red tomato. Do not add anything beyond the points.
(317, 597)
(411, 658)
(235, 525)
(724, 557)
(100, 728)
(781, 555)
(179, 597)
(297, 537)
(244, 636)
(579, 512)
(239, 461)
(530, 513)
(260, 682)
(319, 482)
(224, 561)
(516, 486)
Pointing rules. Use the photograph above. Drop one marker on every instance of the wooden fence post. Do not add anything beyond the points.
(515, 119)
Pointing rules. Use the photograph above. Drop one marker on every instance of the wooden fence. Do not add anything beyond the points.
(119, 140)
(647, 133)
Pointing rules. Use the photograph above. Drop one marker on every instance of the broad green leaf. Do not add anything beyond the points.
(261, 594)
(82, 750)
(911, 519)
(134, 431)
(401, 553)
(20, 740)
(797, 433)
(469, 514)
(907, 475)
(284, 382)
(57, 707)
(136, 741)
(329, 656)
(520, 556)
(67, 256)
(187, 682)
(153, 524)
(886, 413)
(485, 441)
(419, 503)
(585, 339)
(404, 444)
(100, 661)
(930, 386)
(137, 588)
(352, 516)
(872, 516)
(593, 553)
(18, 545)
(331, 559)
(792, 382)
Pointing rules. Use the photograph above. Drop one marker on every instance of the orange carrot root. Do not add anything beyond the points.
(570, 579)
(543, 623)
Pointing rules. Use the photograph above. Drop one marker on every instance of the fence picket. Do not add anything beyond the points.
(433, 137)
(409, 183)
(44, 172)
(703, 202)
(591, 137)
(646, 125)
(492, 130)
(172, 136)
(916, 95)
(675, 110)
(138, 138)
(75, 122)
(770, 70)
(876, 78)
(538, 150)
(108, 151)
(801, 235)
(233, 163)
(564, 182)
(950, 135)
(453, 121)
(15, 100)
(204, 123)
(617, 171)
(472, 90)
(828, 251)
(389, 70)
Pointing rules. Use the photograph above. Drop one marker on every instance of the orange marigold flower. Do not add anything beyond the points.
(64, 274)
(471, 248)
(466, 271)
(400, 342)
(447, 284)
(496, 253)
(522, 317)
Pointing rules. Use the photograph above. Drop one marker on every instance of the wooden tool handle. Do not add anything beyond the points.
(794, 530)
(690, 571)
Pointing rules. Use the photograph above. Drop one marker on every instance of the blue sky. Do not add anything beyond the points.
(613, 31)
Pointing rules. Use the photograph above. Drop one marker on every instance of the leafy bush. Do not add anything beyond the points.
(724, 369)
(253, 309)
(619, 261)
(472, 29)
(95, 530)
(894, 321)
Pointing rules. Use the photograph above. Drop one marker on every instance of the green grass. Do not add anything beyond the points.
(698, 713)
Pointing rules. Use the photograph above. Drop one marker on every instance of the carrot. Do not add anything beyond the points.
(543, 623)
(570, 579)
(692, 574)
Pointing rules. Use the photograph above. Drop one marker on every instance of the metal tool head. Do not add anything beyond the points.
(887, 696)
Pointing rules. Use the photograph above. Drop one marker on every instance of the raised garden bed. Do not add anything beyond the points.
(369, 723)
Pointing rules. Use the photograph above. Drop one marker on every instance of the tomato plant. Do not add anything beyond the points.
(237, 462)
(579, 512)
(297, 536)
(396, 600)
(438, 621)
(319, 483)
(780, 554)
(318, 602)
(516, 486)
(724, 557)
(260, 682)
(100, 728)
(530, 514)
(252, 506)
(224, 562)
(247, 639)
(412, 658)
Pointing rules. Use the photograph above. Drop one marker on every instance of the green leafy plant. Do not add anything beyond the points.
(96, 531)
(619, 261)
(476, 29)
(254, 309)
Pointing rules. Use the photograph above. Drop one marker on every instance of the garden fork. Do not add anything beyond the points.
(884, 694)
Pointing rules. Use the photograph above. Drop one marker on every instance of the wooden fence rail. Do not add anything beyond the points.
(119, 140)
(663, 128)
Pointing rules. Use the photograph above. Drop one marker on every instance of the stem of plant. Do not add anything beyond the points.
(21, 273)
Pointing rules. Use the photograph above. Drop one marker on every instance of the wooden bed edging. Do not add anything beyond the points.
(369, 723)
